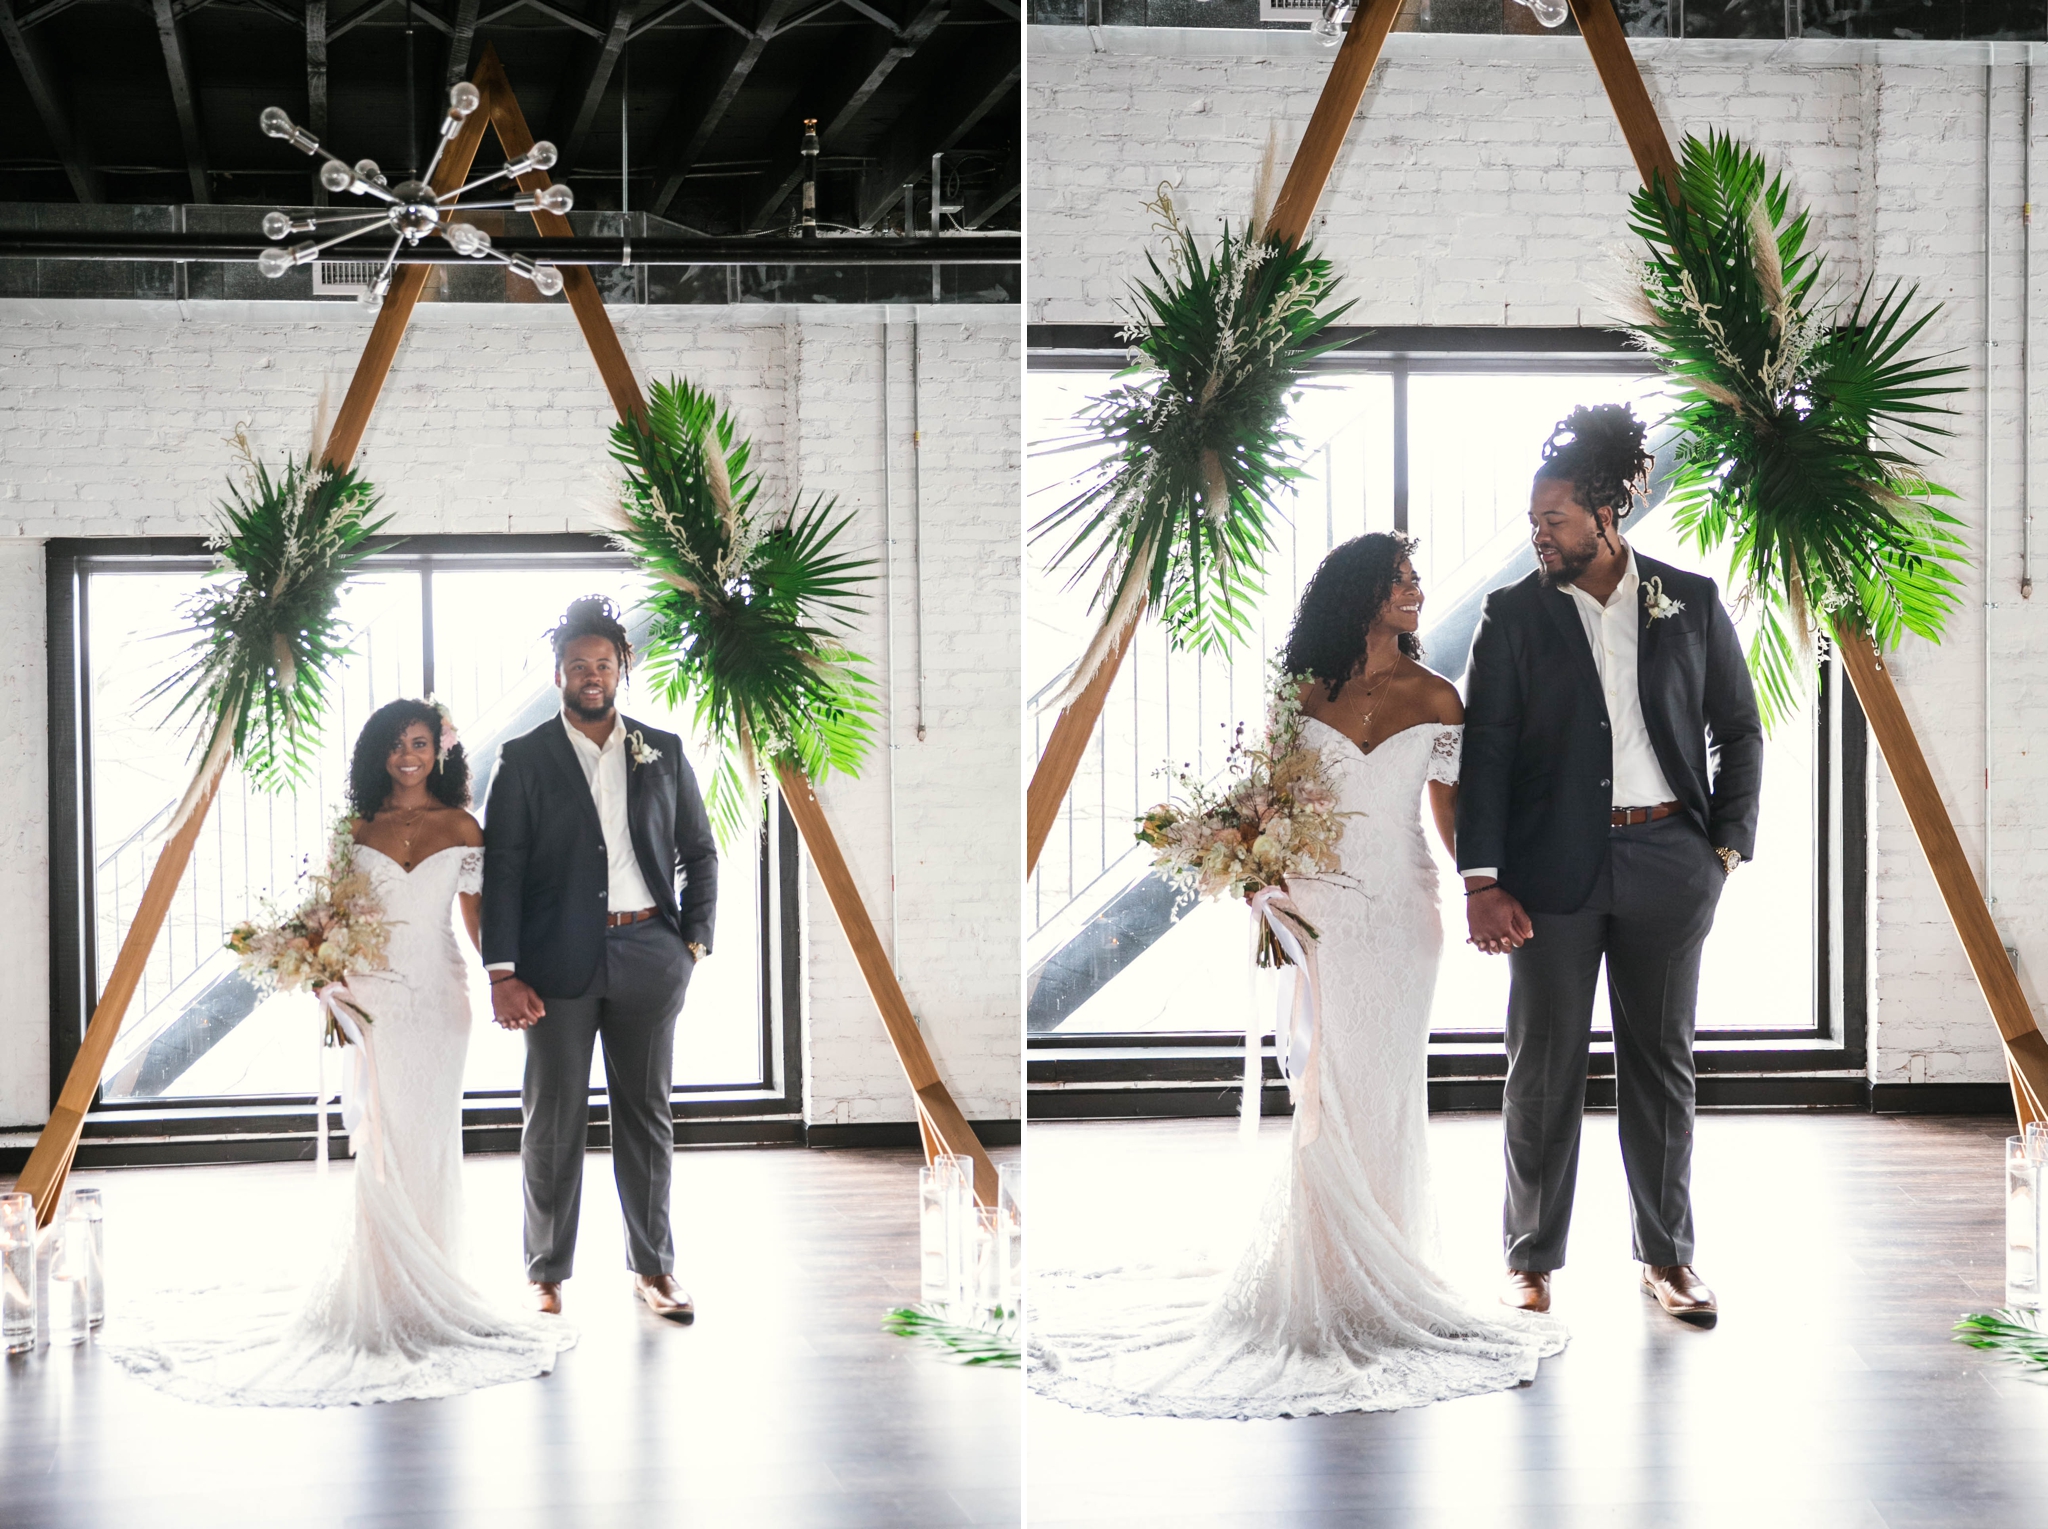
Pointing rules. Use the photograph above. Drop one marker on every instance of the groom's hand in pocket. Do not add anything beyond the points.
(1494, 920)
(514, 1004)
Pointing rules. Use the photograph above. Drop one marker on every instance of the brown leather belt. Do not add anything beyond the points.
(637, 916)
(1629, 817)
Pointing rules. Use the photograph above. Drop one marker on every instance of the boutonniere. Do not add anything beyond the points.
(1657, 603)
(638, 746)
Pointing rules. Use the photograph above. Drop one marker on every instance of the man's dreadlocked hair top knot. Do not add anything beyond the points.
(1598, 449)
(592, 616)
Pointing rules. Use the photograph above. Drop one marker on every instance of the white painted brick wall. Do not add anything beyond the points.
(112, 423)
(1483, 182)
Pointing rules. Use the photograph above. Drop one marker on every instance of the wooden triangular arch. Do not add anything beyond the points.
(1336, 108)
(941, 1125)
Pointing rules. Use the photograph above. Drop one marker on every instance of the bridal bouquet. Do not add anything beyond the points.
(1273, 815)
(337, 931)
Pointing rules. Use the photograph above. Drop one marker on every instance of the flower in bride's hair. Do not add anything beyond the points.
(449, 735)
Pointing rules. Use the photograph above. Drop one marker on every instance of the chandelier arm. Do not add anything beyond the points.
(328, 244)
(482, 180)
(485, 206)
(361, 187)
(354, 217)
(390, 260)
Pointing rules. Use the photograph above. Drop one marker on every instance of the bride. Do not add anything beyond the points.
(391, 1317)
(1335, 1307)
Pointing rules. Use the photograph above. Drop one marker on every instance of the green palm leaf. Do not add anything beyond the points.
(258, 677)
(1184, 509)
(1801, 423)
(738, 604)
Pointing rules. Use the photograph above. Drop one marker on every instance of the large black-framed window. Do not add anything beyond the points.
(457, 616)
(1090, 917)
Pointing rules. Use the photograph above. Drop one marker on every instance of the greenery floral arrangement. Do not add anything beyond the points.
(257, 678)
(994, 1346)
(337, 930)
(1273, 814)
(1181, 514)
(739, 602)
(2013, 1335)
(1802, 419)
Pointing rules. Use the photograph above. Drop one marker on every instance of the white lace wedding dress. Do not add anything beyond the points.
(392, 1316)
(1335, 1307)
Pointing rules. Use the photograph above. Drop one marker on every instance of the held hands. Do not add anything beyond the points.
(514, 1004)
(1495, 921)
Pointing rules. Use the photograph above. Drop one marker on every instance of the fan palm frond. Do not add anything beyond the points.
(1183, 511)
(1801, 421)
(2014, 1335)
(992, 1347)
(258, 676)
(739, 603)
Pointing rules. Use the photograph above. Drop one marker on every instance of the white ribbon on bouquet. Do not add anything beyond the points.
(1296, 1030)
(359, 1107)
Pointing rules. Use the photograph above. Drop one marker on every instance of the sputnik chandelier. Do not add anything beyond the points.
(412, 210)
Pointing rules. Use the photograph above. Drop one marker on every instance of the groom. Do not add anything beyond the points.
(600, 885)
(1612, 760)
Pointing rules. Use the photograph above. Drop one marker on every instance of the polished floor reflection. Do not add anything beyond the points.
(1842, 1247)
(785, 1405)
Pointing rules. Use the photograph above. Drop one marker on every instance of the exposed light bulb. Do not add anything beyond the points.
(1552, 13)
(468, 239)
(336, 177)
(464, 99)
(547, 280)
(274, 262)
(366, 170)
(1328, 28)
(276, 225)
(557, 199)
(275, 121)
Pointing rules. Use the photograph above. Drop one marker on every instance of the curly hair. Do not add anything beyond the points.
(592, 616)
(1598, 449)
(1348, 590)
(369, 783)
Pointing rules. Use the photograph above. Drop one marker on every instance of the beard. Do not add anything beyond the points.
(584, 713)
(1571, 562)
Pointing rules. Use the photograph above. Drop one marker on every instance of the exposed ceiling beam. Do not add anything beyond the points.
(707, 95)
(459, 41)
(316, 83)
(837, 104)
(586, 92)
(1008, 185)
(40, 81)
(1009, 8)
(184, 98)
(419, 13)
(933, 128)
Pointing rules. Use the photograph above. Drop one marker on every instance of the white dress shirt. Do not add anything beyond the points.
(1614, 633)
(605, 771)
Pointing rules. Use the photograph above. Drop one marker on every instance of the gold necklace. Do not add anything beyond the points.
(1365, 727)
(405, 844)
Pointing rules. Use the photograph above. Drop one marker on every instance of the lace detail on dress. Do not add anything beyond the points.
(1335, 1306)
(470, 878)
(392, 1316)
(1444, 754)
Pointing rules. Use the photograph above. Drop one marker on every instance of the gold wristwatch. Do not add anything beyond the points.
(1730, 859)
(699, 952)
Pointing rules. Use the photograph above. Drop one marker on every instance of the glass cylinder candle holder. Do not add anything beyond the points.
(964, 1246)
(61, 1262)
(1010, 1234)
(2037, 1140)
(86, 1206)
(934, 1234)
(986, 1299)
(2022, 1227)
(17, 1272)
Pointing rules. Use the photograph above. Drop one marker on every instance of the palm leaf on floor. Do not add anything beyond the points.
(1802, 421)
(741, 603)
(258, 677)
(1182, 513)
(2010, 1334)
(993, 1347)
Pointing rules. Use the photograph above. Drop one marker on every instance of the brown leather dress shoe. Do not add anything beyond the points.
(1682, 1293)
(664, 1297)
(547, 1296)
(1527, 1290)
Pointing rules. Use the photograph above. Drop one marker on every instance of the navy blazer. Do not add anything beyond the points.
(547, 870)
(1534, 792)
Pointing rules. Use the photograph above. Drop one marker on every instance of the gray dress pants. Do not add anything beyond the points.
(632, 1006)
(1647, 918)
